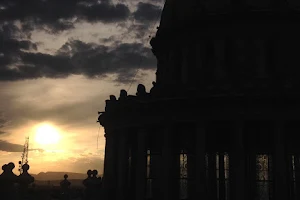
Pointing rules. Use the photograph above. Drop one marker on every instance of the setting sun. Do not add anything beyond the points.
(46, 134)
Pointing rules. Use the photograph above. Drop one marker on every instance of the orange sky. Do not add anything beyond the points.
(58, 70)
(68, 105)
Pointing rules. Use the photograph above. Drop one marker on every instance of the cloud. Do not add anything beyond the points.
(140, 31)
(19, 57)
(9, 147)
(104, 12)
(57, 15)
(39, 150)
(147, 12)
(146, 18)
(76, 58)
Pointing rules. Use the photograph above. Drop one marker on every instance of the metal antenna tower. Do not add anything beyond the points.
(24, 156)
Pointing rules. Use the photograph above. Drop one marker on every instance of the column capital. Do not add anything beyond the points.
(108, 132)
(115, 132)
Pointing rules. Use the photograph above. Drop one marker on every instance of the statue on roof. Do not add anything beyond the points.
(88, 183)
(123, 94)
(7, 181)
(65, 187)
(24, 180)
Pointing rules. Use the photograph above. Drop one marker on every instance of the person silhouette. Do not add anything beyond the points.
(65, 187)
(24, 180)
(88, 185)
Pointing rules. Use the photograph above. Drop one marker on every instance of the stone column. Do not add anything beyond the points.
(122, 166)
(110, 172)
(141, 165)
(200, 191)
(239, 63)
(237, 165)
(195, 63)
(260, 58)
(157, 169)
(132, 164)
(168, 165)
(222, 182)
(185, 65)
(219, 50)
(280, 163)
(212, 177)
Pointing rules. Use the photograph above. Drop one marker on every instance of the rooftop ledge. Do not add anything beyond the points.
(164, 96)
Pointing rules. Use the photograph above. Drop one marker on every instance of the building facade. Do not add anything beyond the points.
(221, 120)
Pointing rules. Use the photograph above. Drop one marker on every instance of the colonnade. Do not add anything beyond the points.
(134, 155)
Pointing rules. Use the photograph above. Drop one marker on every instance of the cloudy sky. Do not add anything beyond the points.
(59, 61)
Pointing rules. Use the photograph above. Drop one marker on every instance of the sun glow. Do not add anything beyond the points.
(46, 134)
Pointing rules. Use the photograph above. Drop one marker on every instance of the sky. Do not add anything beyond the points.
(59, 62)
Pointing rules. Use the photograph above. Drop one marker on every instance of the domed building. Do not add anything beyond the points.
(222, 119)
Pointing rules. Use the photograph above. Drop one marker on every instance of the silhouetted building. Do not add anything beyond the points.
(221, 122)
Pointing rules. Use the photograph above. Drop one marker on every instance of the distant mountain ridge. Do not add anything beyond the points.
(45, 176)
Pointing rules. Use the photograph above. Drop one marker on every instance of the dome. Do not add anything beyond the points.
(235, 49)
(178, 14)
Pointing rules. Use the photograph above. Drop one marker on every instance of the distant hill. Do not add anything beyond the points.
(50, 176)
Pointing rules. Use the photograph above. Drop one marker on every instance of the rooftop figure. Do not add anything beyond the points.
(65, 187)
(24, 180)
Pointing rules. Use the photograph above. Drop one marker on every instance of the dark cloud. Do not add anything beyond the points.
(77, 57)
(140, 31)
(158, 1)
(9, 147)
(147, 12)
(146, 18)
(13, 42)
(19, 59)
(58, 15)
(13, 46)
(105, 12)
